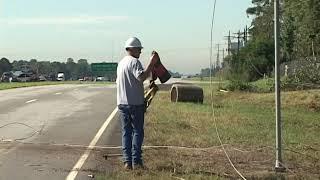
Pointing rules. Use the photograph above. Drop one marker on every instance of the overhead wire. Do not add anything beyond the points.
(211, 89)
(255, 68)
(211, 40)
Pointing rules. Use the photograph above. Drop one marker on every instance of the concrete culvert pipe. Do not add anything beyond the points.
(186, 93)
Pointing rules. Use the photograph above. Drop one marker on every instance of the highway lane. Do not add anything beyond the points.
(57, 115)
(63, 114)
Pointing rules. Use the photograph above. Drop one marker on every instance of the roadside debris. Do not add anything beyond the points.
(111, 155)
(186, 93)
(222, 90)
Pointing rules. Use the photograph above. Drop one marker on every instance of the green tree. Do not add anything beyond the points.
(71, 69)
(34, 66)
(300, 37)
(57, 67)
(288, 37)
(256, 59)
(20, 65)
(5, 65)
(263, 21)
(44, 68)
(83, 68)
(305, 19)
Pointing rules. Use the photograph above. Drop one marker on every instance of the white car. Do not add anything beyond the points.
(100, 78)
(60, 77)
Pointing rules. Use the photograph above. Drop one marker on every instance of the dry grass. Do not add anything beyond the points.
(308, 99)
(246, 124)
(4, 86)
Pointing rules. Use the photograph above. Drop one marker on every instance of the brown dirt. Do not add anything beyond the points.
(257, 163)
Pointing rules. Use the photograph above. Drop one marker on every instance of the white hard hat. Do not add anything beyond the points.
(133, 42)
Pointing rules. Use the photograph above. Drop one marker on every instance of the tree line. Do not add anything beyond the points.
(72, 70)
(300, 39)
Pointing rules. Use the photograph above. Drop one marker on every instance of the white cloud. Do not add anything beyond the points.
(69, 20)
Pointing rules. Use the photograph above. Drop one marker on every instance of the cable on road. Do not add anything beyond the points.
(23, 124)
(212, 106)
(26, 125)
(144, 147)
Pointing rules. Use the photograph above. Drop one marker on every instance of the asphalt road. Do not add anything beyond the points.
(47, 122)
(45, 131)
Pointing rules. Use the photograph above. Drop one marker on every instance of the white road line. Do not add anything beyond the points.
(72, 175)
(58, 93)
(33, 100)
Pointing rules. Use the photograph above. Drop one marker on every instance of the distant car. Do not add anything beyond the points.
(6, 77)
(17, 73)
(176, 76)
(42, 78)
(24, 77)
(60, 77)
(100, 79)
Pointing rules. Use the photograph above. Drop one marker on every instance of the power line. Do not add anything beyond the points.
(213, 113)
(222, 145)
(211, 39)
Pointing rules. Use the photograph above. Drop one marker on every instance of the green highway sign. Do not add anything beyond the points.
(108, 70)
(103, 69)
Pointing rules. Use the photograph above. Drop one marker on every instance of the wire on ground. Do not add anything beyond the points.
(213, 113)
(26, 125)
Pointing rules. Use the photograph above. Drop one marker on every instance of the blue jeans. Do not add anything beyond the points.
(132, 122)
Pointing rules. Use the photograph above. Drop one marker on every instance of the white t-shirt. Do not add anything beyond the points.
(129, 89)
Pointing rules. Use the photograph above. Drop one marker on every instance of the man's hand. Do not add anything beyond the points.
(154, 58)
(153, 61)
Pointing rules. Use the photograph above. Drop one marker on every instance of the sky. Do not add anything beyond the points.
(54, 30)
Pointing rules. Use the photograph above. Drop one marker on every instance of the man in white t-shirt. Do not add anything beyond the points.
(130, 101)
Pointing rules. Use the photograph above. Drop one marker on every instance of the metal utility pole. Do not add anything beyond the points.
(242, 38)
(246, 32)
(279, 165)
(211, 39)
(312, 46)
(313, 54)
(112, 49)
(222, 54)
(218, 57)
(239, 36)
(229, 43)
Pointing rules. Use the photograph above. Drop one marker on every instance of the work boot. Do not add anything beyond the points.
(127, 166)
